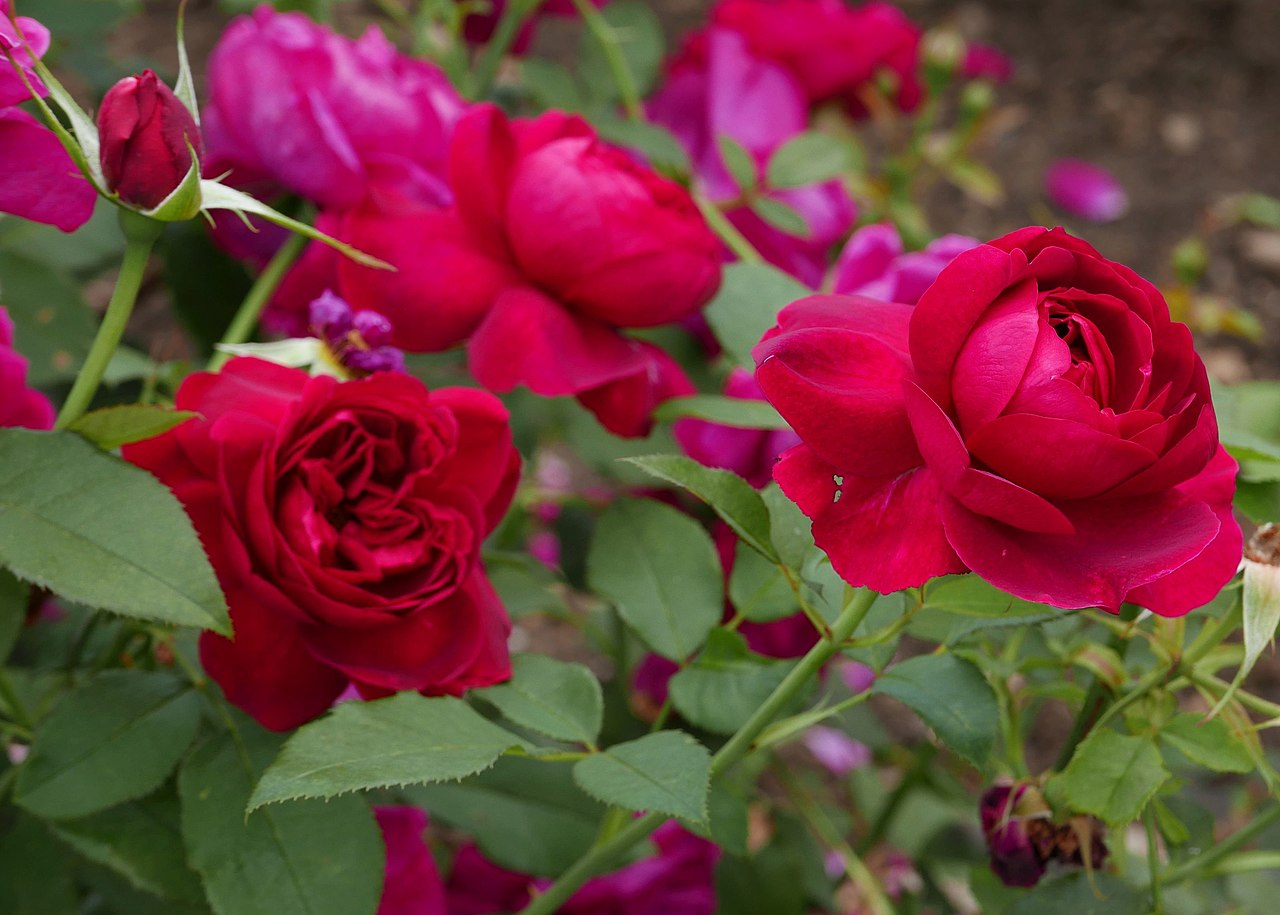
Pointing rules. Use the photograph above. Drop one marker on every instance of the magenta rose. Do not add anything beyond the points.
(1037, 418)
(344, 520)
(19, 404)
(835, 51)
(295, 106)
(412, 885)
(555, 244)
(875, 264)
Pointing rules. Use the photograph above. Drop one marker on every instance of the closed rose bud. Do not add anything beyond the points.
(147, 137)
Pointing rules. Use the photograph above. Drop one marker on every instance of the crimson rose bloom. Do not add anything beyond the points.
(1037, 418)
(344, 520)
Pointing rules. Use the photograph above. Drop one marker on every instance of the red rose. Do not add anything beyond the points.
(1037, 418)
(148, 137)
(834, 50)
(344, 520)
(555, 243)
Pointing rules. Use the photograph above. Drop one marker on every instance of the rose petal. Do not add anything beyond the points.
(880, 532)
(40, 182)
(1085, 190)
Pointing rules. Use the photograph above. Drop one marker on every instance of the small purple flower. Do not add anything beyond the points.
(858, 677)
(839, 753)
(358, 340)
(1083, 189)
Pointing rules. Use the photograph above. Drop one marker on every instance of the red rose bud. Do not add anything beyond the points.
(146, 133)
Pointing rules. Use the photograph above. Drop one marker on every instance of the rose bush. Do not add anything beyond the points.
(344, 521)
(1036, 418)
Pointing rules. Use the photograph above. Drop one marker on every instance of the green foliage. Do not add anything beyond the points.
(740, 413)
(1206, 742)
(35, 876)
(526, 815)
(638, 32)
(809, 158)
(747, 305)
(54, 326)
(732, 498)
(726, 684)
(13, 611)
(115, 738)
(555, 698)
(1113, 776)
(124, 544)
(660, 569)
(668, 772)
(738, 161)
(407, 739)
(112, 427)
(141, 841)
(781, 216)
(952, 697)
(1080, 894)
(318, 857)
(758, 589)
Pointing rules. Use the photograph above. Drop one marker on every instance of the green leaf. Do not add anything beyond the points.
(733, 498)
(726, 684)
(640, 40)
(525, 815)
(140, 840)
(407, 739)
(54, 325)
(123, 544)
(659, 567)
(809, 158)
(740, 164)
(556, 698)
(313, 857)
(552, 85)
(1081, 894)
(969, 595)
(737, 412)
(952, 697)
(791, 530)
(35, 877)
(758, 589)
(668, 772)
(13, 612)
(115, 738)
(1208, 743)
(112, 427)
(750, 297)
(781, 216)
(1113, 776)
(655, 143)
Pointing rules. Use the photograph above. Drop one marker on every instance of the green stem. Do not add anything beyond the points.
(246, 318)
(606, 37)
(504, 36)
(822, 827)
(729, 234)
(603, 854)
(140, 236)
(1189, 869)
(1153, 859)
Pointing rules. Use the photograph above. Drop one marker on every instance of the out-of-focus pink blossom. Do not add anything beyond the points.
(750, 453)
(873, 263)
(293, 105)
(38, 180)
(19, 404)
(412, 885)
(836, 750)
(1086, 190)
(544, 546)
(858, 677)
(718, 88)
(985, 62)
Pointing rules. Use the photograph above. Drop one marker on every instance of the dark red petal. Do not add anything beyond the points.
(879, 532)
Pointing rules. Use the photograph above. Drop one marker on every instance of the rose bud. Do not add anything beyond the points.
(1261, 593)
(148, 139)
(1015, 820)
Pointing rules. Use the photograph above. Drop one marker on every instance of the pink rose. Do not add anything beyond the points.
(293, 105)
(835, 50)
(874, 263)
(717, 88)
(344, 520)
(1037, 418)
(19, 404)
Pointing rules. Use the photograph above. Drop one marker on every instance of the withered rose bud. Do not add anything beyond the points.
(147, 138)
(1023, 837)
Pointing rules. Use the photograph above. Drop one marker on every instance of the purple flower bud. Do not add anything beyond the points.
(330, 317)
(368, 361)
(1085, 190)
(373, 328)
